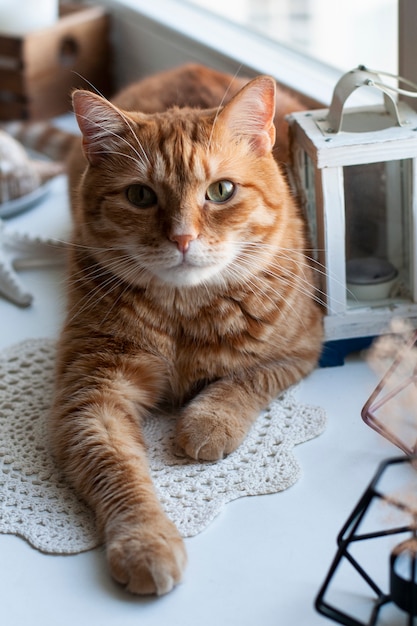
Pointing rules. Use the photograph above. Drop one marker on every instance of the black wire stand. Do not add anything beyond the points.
(401, 591)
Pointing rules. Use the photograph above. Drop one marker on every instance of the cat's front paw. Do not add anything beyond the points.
(147, 560)
(208, 437)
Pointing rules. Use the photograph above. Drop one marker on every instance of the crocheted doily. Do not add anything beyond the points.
(37, 504)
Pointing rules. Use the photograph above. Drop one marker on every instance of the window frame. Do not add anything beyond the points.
(150, 36)
(407, 42)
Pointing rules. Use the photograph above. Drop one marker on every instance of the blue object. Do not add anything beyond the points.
(335, 352)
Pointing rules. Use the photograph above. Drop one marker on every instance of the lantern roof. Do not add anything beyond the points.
(369, 135)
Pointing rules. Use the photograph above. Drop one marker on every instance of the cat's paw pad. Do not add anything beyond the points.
(208, 438)
(147, 561)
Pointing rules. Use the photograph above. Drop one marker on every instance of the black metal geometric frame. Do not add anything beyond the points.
(349, 534)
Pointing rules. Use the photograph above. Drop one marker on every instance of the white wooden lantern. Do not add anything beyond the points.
(355, 172)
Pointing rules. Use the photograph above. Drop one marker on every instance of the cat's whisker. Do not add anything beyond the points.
(74, 244)
(322, 292)
(317, 268)
(115, 301)
(263, 287)
(236, 274)
(85, 79)
(140, 145)
(114, 279)
(95, 273)
(123, 155)
(97, 296)
(143, 160)
(220, 106)
(92, 299)
(280, 297)
(299, 282)
(294, 279)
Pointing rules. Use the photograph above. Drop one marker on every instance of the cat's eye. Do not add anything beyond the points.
(220, 191)
(141, 196)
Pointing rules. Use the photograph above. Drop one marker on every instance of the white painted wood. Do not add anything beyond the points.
(367, 321)
(331, 209)
(413, 230)
(348, 148)
(398, 201)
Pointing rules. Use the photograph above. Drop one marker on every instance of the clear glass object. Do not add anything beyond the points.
(391, 409)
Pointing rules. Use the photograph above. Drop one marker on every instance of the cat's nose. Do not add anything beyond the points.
(182, 241)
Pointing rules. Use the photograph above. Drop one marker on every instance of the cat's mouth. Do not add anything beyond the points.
(198, 265)
(187, 264)
(186, 273)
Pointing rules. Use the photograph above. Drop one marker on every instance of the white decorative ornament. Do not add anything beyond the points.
(19, 251)
(24, 181)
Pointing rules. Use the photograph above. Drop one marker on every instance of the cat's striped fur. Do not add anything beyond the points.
(187, 284)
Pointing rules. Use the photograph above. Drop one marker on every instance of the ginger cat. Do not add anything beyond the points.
(188, 284)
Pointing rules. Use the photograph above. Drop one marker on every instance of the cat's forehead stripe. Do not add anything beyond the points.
(159, 167)
(178, 155)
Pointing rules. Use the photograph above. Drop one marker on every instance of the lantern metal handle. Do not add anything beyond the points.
(364, 77)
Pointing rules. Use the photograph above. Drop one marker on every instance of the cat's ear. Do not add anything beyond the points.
(100, 123)
(250, 113)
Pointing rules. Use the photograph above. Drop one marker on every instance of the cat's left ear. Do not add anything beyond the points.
(251, 112)
(100, 123)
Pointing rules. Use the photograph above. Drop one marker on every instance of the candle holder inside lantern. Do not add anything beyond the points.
(355, 174)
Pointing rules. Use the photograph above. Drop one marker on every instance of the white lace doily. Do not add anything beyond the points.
(37, 504)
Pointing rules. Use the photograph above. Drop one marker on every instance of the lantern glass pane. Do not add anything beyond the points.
(377, 212)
